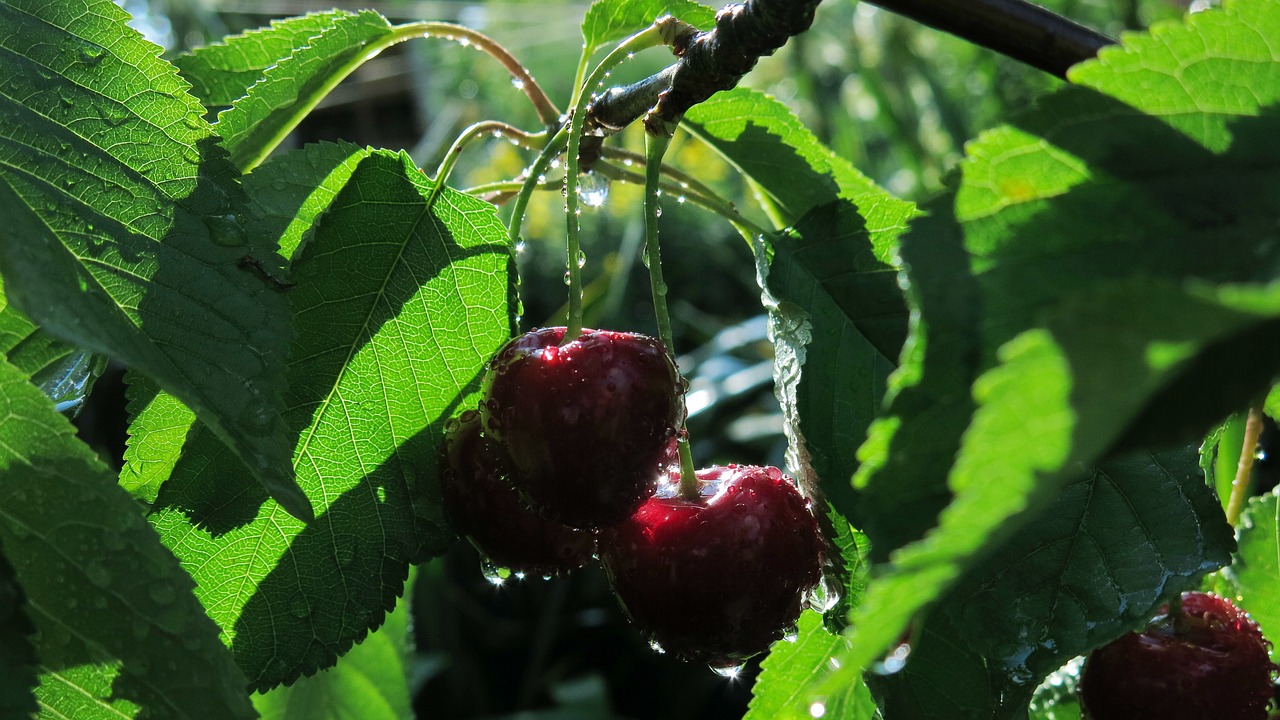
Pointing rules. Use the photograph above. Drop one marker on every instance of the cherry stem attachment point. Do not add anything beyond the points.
(1244, 470)
(655, 148)
(650, 37)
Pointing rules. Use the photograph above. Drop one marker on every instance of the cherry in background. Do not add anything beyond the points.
(720, 578)
(1210, 662)
(482, 506)
(586, 423)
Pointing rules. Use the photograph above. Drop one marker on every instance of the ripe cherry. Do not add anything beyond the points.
(1209, 661)
(586, 423)
(720, 578)
(483, 507)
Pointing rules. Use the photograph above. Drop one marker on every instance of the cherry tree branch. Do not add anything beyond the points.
(717, 59)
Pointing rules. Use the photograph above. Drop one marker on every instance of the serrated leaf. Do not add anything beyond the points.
(64, 373)
(288, 90)
(158, 428)
(767, 142)
(18, 665)
(222, 73)
(122, 224)
(287, 195)
(1255, 575)
(1057, 401)
(1111, 547)
(398, 307)
(608, 21)
(119, 633)
(791, 666)
(369, 683)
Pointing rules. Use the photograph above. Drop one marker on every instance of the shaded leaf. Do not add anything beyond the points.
(65, 374)
(608, 21)
(369, 683)
(119, 633)
(222, 73)
(288, 89)
(121, 223)
(18, 666)
(398, 306)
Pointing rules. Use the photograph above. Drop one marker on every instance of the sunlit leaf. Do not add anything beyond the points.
(121, 224)
(398, 306)
(119, 633)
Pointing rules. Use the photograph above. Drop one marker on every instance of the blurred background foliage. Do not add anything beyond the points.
(897, 99)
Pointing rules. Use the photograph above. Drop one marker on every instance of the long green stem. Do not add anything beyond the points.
(647, 38)
(468, 136)
(1244, 470)
(655, 148)
(531, 181)
(710, 201)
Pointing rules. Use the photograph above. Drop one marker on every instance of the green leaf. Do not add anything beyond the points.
(287, 194)
(119, 633)
(790, 666)
(608, 21)
(158, 428)
(222, 73)
(1108, 550)
(767, 142)
(289, 89)
(62, 372)
(121, 224)
(1255, 575)
(19, 669)
(398, 307)
(1060, 400)
(369, 683)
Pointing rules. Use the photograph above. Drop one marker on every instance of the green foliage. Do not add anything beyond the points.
(608, 21)
(369, 683)
(392, 331)
(1254, 578)
(119, 633)
(121, 225)
(996, 399)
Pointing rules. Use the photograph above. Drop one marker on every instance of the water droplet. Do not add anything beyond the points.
(582, 259)
(97, 574)
(593, 190)
(225, 230)
(817, 710)
(681, 199)
(823, 596)
(728, 672)
(494, 574)
(520, 246)
(464, 42)
(566, 277)
(630, 55)
(654, 646)
(660, 289)
(518, 84)
(791, 636)
(657, 212)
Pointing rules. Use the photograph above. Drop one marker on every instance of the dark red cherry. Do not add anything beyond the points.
(586, 423)
(483, 507)
(720, 578)
(1209, 662)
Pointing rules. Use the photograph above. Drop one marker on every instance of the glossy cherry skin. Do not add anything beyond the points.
(720, 578)
(482, 506)
(1211, 663)
(586, 423)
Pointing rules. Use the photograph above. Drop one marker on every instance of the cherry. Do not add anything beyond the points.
(482, 506)
(586, 423)
(720, 578)
(1209, 661)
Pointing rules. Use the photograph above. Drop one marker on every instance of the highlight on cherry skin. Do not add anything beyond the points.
(586, 423)
(481, 504)
(1207, 662)
(720, 578)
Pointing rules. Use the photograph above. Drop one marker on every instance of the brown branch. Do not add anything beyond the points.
(717, 60)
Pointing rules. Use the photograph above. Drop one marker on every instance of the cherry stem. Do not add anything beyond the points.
(655, 147)
(1244, 470)
(547, 111)
(533, 178)
(647, 38)
(470, 135)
